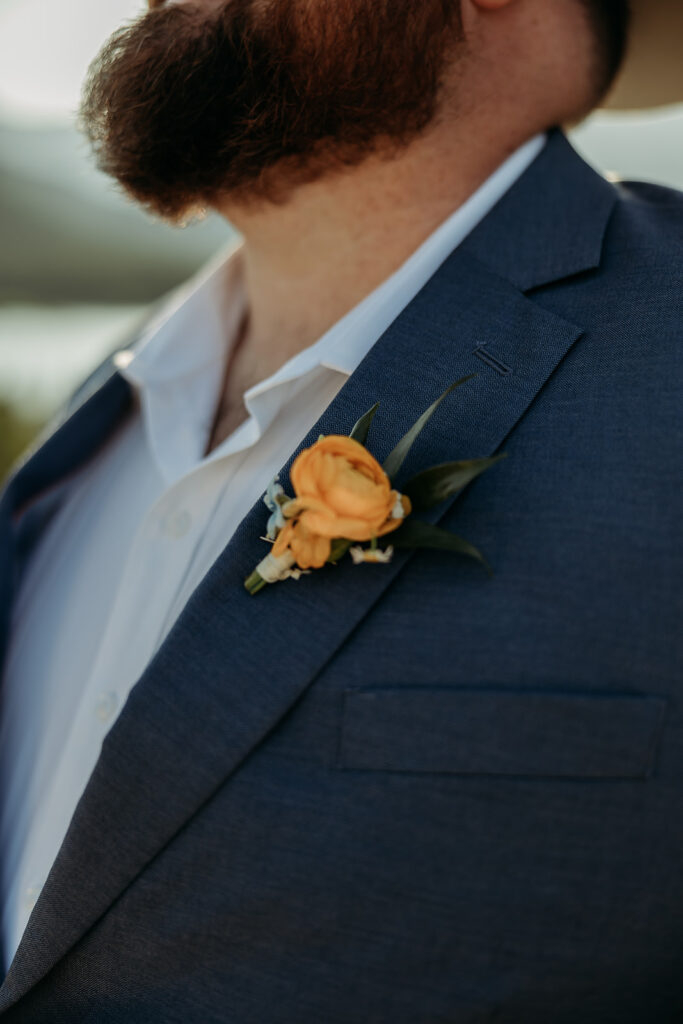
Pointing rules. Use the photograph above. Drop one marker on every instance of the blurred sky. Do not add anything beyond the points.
(45, 47)
(82, 261)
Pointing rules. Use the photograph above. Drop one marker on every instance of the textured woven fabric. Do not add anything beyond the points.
(409, 794)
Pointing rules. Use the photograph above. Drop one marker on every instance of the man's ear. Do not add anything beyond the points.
(491, 5)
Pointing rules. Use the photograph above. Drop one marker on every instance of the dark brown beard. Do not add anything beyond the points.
(247, 99)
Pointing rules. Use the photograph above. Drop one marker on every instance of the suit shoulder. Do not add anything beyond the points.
(97, 377)
(648, 218)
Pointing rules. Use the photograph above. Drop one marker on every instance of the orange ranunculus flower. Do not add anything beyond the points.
(309, 550)
(341, 491)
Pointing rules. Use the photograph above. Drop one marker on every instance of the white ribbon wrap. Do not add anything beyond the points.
(272, 569)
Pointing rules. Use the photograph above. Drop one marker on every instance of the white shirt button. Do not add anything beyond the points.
(177, 524)
(106, 706)
(30, 897)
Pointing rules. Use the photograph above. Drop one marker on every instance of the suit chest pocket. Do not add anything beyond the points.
(497, 732)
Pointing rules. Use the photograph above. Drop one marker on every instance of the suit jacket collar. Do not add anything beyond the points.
(550, 225)
(212, 692)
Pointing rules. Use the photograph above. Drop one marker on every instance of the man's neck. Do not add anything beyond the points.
(310, 260)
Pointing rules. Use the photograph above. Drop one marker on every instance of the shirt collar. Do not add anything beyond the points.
(176, 366)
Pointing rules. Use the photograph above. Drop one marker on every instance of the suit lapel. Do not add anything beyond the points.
(233, 664)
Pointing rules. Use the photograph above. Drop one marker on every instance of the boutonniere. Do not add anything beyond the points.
(344, 499)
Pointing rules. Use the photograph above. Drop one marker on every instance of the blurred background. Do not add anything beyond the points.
(79, 264)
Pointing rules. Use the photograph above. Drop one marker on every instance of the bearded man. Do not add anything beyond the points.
(399, 793)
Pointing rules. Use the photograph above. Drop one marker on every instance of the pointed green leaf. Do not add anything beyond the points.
(338, 549)
(395, 459)
(362, 427)
(439, 482)
(416, 534)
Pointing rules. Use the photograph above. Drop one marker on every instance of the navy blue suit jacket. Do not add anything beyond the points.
(410, 794)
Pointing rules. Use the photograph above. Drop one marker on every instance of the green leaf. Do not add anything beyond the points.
(395, 459)
(362, 427)
(339, 548)
(416, 534)
(439, 482)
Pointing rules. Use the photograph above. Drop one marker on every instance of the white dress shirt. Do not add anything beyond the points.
(143, 523)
